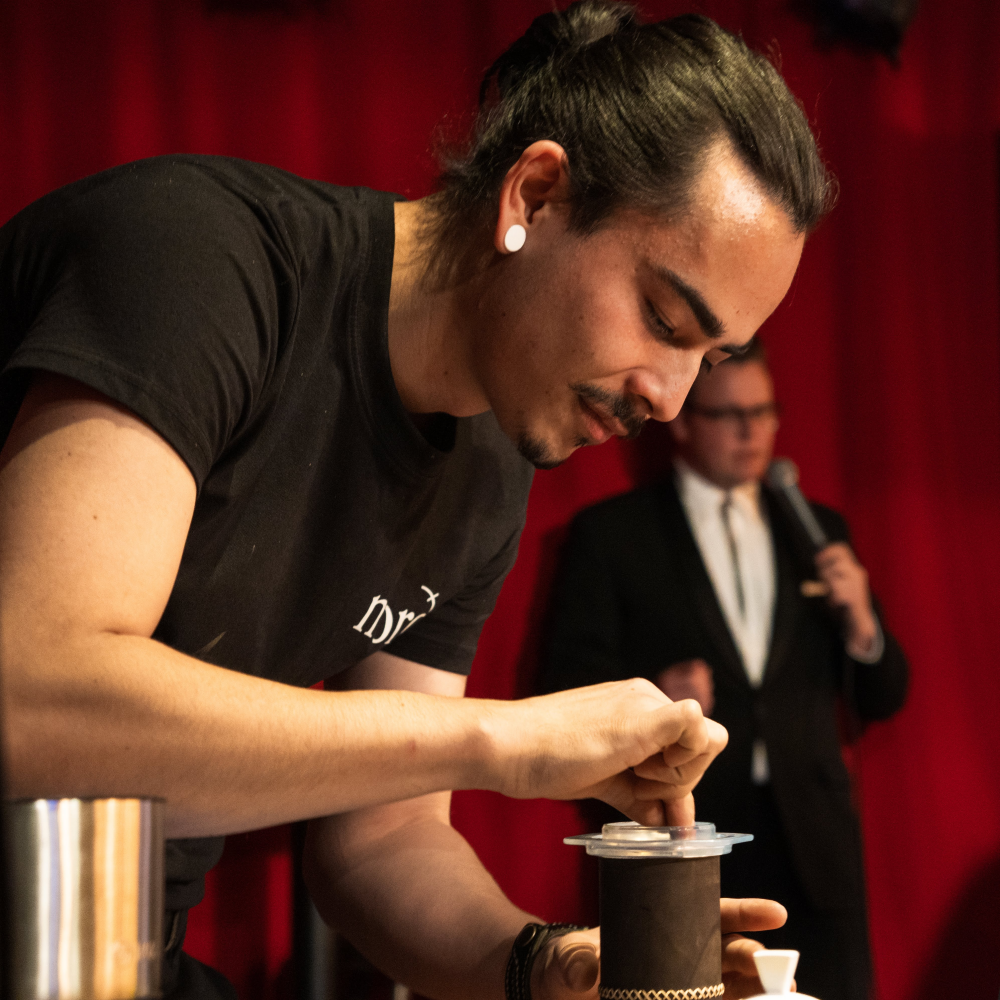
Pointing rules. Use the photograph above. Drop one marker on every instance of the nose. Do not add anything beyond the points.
(666, 387)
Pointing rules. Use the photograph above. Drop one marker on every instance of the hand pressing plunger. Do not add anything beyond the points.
(568, 968)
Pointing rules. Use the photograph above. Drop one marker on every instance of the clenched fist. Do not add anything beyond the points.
(623, 742)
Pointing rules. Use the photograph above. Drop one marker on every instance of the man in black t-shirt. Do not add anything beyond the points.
(260, 432)
(207, 445)
(326, 527)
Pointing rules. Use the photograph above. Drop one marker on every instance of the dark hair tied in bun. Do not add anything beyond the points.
(635, 106)
(553, 36)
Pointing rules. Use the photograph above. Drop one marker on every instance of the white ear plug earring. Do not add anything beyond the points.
(514, 238)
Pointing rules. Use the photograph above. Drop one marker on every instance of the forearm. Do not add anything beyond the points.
(95, 509)
(414, 898)
(114, 714)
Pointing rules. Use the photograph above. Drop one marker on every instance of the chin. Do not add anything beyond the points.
(748, 471)
(538, 452)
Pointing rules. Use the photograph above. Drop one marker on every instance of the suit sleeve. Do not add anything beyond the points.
(872, 690)
(582, 642)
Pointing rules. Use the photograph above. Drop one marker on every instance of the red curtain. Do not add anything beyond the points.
(886, 355)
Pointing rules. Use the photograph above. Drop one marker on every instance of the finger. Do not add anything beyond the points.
(620, 794)
(707, 737)
(835, 550)
(737, 955)
(670, 789)
(741, 915)
(680, 723)
(678, 764)
(679, 812)
(644, 800)
(651, 813)
(685, 776)
(832, 569)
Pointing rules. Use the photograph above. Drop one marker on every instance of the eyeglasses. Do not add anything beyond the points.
(737, 416)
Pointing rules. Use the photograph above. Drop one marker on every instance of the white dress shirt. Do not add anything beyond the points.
(750, 627)
(702, 502)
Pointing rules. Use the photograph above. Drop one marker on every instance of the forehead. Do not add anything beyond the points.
(732, 243)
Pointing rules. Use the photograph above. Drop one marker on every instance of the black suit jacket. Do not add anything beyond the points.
(633, 596)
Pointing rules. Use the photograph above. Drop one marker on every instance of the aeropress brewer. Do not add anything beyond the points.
(661, 937)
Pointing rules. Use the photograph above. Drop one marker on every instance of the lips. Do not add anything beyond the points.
(600, 425)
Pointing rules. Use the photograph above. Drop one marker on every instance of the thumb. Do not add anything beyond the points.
(579, 967)
(571, 969)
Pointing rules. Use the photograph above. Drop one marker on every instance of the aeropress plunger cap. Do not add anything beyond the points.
(630, 840)
(660, 930)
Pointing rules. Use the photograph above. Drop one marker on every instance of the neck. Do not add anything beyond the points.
(430, 324)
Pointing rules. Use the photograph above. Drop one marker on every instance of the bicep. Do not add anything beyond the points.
(95, 508)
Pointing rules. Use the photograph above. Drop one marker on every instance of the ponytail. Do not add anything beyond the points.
(635, 106)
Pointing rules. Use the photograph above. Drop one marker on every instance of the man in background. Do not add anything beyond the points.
(702, 584)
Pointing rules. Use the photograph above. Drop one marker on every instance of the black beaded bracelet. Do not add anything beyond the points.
(527, 945)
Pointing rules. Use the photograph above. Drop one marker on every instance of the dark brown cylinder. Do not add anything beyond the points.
(660, 924)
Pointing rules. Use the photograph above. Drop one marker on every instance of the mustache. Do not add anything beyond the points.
(620, 406)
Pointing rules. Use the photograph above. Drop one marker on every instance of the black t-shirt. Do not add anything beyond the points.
(242, 312)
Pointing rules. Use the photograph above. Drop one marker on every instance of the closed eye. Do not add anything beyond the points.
(660, 328)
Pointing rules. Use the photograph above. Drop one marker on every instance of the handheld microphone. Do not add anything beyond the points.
(783, 478)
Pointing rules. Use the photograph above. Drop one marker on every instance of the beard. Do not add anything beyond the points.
(620, 406)
(537, 452)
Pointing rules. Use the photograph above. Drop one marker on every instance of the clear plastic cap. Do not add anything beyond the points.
(630, 840)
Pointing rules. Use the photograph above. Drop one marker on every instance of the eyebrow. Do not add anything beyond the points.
(710, 324)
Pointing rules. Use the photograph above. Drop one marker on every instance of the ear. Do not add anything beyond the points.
(538, 180)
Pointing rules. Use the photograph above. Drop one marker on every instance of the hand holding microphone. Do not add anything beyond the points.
(847, 592)
(842, 580)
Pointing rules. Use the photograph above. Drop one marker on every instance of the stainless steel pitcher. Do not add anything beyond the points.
(86, 879)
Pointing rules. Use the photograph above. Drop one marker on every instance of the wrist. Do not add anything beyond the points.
(486, 759)
(866, 646)
(862, 629)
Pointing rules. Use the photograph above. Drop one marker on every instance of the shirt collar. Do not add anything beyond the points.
(703, 496)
